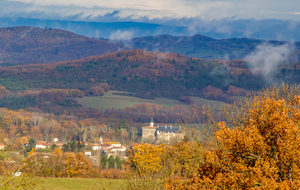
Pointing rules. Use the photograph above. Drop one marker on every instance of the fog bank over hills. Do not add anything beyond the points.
(22, 45)
(266, 29)
(204, 47)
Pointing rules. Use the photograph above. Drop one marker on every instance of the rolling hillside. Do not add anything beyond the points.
(19, 45)
(148, 74)
(23, 45)
(200, 46)
(151, 82)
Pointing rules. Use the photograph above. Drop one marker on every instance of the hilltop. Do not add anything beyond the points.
(36, 45)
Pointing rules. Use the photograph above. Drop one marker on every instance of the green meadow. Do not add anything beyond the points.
(110, 100)
(81, 183)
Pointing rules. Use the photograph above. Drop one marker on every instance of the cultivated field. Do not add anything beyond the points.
(110, 100)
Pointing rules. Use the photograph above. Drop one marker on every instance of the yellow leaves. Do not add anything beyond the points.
(23, 140)
(57, 152)
(146, 158)
(68, 166)
(263, 153)
(78, 165)
(31, 153)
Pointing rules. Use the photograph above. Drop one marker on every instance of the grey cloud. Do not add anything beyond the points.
(267, 57)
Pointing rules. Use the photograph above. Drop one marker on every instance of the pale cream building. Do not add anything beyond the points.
(161, 133)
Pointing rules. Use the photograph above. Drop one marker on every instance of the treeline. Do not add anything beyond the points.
(68, 164)
(162, 114)
(17, 128)
(47, 97)
(61, 102)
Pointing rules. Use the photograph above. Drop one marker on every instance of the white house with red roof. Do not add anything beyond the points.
(41, 145)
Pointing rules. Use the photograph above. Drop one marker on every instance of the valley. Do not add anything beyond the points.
(151, 112)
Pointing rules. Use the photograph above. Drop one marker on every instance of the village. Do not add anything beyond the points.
(102, 147)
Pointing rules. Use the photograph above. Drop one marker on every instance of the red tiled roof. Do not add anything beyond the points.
(105, 144)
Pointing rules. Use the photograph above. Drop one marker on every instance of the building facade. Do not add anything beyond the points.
(161, 133)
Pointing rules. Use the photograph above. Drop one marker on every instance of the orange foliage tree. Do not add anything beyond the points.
(145, 158)
(262, 153)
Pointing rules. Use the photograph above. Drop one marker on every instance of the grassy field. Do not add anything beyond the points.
(109, 100)
(80, 183)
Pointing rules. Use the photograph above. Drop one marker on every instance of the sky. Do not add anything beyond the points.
(153, 9)
(259, 19)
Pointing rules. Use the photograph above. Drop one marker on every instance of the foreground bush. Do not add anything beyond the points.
(149, 165)
(262, 153)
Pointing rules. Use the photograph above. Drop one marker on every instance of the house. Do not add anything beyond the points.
(88, 153)
(161, 133)
(41, 145)
(55, 140)
(95, 146)
(59, 144)
(110, 148)
(115, 144)
(106, 146)
(2, 146)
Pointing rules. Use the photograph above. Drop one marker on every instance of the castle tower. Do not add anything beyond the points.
(100, 140)
(151, 123)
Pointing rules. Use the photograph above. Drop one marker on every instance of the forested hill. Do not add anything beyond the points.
(24, 45)
(201, 46)
(36, 45)
(149, 74)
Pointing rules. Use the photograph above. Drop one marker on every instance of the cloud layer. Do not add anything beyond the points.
(206, 10)
(214, 18)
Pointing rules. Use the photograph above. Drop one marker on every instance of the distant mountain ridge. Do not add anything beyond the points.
(36, 45)
(23, 45)
(200, 46)
(268, 29)
(96, 29)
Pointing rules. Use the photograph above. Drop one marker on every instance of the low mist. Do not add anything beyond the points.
(266, 58)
